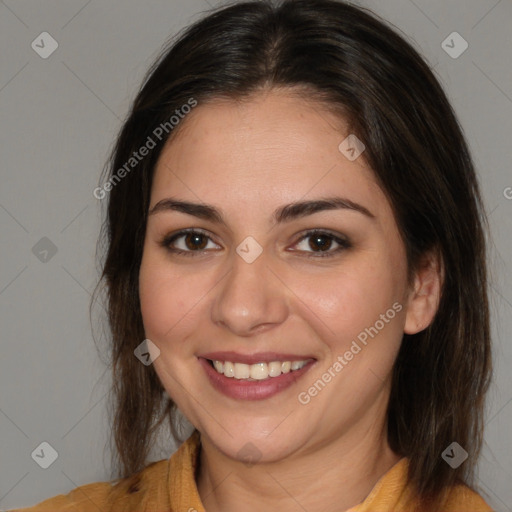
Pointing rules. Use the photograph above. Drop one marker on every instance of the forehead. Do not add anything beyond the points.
(271, 148)
(277, 121)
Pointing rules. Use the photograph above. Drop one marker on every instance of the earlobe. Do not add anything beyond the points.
(424, 299)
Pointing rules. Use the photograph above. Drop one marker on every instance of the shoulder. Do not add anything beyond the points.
(462, 498)
(131, 493)
(393, 493)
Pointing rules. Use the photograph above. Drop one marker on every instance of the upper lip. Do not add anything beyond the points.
(260, 357)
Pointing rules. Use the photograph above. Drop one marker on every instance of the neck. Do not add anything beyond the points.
(334, 475)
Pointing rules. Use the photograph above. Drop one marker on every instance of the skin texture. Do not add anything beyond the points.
(248, 158)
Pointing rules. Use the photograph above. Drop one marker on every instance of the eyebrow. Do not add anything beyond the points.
(282, 214)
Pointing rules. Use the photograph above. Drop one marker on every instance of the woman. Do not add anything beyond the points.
(296, 262)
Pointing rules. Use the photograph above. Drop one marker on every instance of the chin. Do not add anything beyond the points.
(254, 445)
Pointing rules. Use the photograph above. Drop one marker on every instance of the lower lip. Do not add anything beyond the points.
(252, 389)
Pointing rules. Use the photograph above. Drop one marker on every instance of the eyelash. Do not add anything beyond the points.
(343, 244)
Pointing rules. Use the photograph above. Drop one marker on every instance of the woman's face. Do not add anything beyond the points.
(255, 288)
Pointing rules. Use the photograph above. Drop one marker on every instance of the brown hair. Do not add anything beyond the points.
(355, 63)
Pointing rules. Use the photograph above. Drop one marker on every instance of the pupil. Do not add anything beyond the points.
(324, 245)
(195, 238)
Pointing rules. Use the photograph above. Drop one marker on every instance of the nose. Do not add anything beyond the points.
(251, 298)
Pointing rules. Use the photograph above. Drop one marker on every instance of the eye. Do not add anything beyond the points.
(193, 242)
(322, 240)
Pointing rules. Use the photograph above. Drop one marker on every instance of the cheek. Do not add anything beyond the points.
(344, 303)
(163, 298)
(172, 298)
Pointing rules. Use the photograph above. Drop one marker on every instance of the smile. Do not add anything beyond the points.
(253, 379)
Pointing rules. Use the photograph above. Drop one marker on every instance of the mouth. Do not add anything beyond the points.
(254, 377)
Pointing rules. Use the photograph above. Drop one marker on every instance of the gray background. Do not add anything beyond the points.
(59, 117)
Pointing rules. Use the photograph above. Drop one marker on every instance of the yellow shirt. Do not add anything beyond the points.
(169, 485)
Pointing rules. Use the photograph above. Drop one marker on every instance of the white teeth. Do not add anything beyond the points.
(274, 369)
(258, 371)
(229, 369)
(242, 371)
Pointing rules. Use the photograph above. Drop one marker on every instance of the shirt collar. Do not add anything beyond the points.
(183, 492)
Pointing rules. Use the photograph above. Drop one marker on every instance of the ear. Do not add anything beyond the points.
(424, 299)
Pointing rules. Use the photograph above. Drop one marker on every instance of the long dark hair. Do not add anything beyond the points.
(356, 65)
